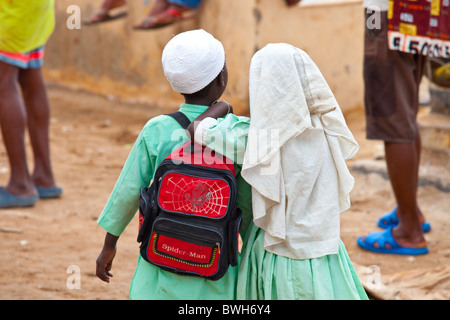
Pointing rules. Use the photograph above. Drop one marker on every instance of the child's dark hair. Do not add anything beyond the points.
(203, 92)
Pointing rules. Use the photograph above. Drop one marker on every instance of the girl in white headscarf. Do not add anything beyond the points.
(296, 145)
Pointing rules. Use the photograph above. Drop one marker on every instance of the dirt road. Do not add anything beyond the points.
(49, 251)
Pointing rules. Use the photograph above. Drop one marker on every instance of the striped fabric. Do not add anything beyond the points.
(32, 59)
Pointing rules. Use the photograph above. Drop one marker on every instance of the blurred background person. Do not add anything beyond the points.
(392, 76)
(163, 13)
(25, 27)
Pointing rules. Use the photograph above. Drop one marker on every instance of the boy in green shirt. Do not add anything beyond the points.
(194, 64)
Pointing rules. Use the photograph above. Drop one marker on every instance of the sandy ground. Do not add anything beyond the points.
(49, 251)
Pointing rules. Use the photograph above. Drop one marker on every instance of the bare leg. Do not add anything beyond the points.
(402, 162)
(13, 124)
(160, 6)
(38, 110)
(159, 16)
(418, 145)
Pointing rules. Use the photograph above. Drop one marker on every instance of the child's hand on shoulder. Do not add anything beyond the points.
(219, 109)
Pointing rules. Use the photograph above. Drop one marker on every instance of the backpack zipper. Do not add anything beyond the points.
(203, 241)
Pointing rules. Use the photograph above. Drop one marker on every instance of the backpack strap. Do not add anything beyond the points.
(181, 118)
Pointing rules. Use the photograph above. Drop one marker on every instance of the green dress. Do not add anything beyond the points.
(267, 276)
(159, 137)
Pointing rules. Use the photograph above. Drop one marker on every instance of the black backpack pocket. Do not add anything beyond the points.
(147, 211)
(185, 248)
(233, 236)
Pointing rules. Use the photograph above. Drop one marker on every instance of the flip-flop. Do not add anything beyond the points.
(387, 244)
(49, 193)
(8, 200)
(106, 17)
(390, 220)
(154, 22)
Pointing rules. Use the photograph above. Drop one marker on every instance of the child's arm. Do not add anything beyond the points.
(217, 110)
(106, 257)
(227, 136)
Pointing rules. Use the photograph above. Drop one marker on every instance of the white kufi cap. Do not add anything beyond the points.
(191, 60)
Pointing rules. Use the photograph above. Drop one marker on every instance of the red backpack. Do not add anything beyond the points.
(189, 221)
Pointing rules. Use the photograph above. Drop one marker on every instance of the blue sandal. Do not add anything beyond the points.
(390, 220)
(387, 244)
(8, 200)
(49, 193)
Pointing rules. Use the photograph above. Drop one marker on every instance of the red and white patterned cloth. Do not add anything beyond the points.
(420, 27)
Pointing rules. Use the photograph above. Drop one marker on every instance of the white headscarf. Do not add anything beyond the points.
(191, 60)
(295, 159)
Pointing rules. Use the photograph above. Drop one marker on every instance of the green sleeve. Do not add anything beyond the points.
(229, 137)
(123, 202)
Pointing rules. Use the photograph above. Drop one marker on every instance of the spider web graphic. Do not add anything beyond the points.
(205, 197)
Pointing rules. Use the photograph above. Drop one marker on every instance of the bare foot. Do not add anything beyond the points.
(409, 239)
(103, 13)
(170, 15)
(21, 190)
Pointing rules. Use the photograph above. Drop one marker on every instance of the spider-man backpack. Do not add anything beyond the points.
(189, 223)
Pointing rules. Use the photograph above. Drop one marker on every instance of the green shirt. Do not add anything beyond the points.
(159, 137)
